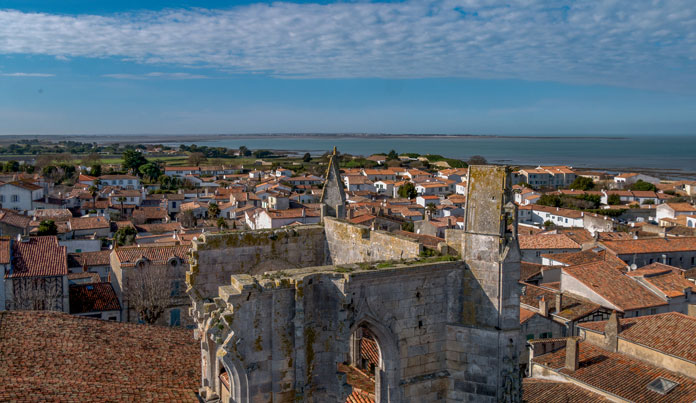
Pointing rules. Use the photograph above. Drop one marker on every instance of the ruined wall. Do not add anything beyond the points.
(350, 243)
(291, 331)
(217, 256)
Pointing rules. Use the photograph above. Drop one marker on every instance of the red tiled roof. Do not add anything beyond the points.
(652, 245)
(620, 290)
(87, 223)
(546, 391)
(89, 259)
(9, 217)
(619, 374)
(96, 297)
(128, 256)
(525, 315)
(51, 356)
(551, 241)
(38, 257)
(5, 243)
(670, 333)
(668, 279)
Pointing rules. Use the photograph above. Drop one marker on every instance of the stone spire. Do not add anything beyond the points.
(333, 198)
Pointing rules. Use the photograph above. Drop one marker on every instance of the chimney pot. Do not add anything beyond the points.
(559, 303)
(611, 332)
(543, 307)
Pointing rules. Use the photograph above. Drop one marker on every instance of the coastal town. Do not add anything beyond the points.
(607, 271)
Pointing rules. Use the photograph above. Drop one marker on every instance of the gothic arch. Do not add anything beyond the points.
(387, 375)
(239, 384)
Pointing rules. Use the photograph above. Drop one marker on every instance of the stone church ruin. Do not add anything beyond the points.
(302, 313)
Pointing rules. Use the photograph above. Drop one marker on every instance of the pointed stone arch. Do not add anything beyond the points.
(387, 375)
(239, 384)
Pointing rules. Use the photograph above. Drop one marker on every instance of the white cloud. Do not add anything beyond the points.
(27, 75)
(156, 74)
(648, 44)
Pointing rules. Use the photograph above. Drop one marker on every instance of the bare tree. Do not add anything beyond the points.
(150, 291)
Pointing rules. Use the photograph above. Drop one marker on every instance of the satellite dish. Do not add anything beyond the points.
(633, 267)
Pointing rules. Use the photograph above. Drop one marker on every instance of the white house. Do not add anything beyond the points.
(122, 181)
(20, 195)
(182, 171)
(631, 178)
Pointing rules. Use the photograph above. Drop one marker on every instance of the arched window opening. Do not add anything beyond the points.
(362, 366)
(225, 391)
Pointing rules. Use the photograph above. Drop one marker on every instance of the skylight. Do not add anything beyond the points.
(662, 385)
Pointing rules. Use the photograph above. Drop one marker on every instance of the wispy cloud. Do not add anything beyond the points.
(638, 44)
(156, 74)
(26, 75)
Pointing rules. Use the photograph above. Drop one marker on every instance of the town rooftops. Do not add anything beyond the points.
(5, 244)
(117, 177)
(548, 391)
(551, 241)
(9, 217)
(40, 256)
(667, 280)
(51, 356)
(651, 245)
(619, 374)
(88, 223)
(93, 297)
(24, 185)
(670, 333)
(89, 259)
(614, 287)
(129, 256)
(681, 207)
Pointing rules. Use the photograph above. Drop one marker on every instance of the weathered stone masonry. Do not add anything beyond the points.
(277, 317)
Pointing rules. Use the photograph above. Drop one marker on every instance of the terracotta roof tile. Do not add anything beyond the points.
(5, 244)
(546, 391)
(89, 259)
(156, 254)
(652, 245)
(38, 257)
(9, 217)
(88, 223)
(51, 356)
(664, 332)
(95, 297)
(615, 287)
(551, 241)
(619, 374)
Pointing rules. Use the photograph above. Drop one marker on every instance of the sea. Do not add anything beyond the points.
(666, 156)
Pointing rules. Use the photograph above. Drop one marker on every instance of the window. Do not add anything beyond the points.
(545, 335)
(175, 288)
(174, 317)
(15, 198)
(2, 199)
(653, 311)
(538, 253)
(530, 336)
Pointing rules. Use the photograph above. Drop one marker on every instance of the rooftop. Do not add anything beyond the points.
(94, 297)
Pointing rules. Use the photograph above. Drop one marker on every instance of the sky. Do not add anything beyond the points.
(510, 67)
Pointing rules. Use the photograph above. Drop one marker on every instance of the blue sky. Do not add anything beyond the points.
(447, 66)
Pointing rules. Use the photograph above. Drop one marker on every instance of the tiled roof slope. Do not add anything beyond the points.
(52, 356)
(545, 391)
(670, 332)
(667, 279)
(39, 256)
(620, 290)
(551, 241)
(89, 259)
(651, 245)
(620, 375)
(5, 244)
(93, 298)
(155, 254)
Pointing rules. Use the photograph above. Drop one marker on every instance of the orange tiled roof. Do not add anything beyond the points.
(89, 259)
(69, 356)
(664, 332)
(128, 256)
(5, 244)
(665, 278)
(87, 223)
(96, 297)
(546, 391)
(619, 374)
(620, 290)
(525, 315)
(40, 256)
(551, 241)
(652, 245)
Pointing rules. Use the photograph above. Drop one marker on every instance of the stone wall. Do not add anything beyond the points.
(217, 256)
(351, 243)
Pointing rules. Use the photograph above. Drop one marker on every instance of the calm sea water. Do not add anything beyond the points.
(652, 152)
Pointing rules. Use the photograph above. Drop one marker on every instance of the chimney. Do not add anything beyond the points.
(543, 307)
(572, 361)
(559, 303)
(611, 332)
(664, 259)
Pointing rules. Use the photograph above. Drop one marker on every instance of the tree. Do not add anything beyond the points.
(431, 208)
(12, 166)
(95, 170)
(407, 226)
(213, 210)
(548, 224)
(125, 236)
(307, 157)
(133, 160)
(221, 223)
(150, 170)
(393, 155)
(642, 185)
(94, 191)
(408, 191)
(48, 227)
(188, 219)
(149, 291)
(613, 199)
(477, 160)
(244, 152)
(196, 158)
(582, 183)
(91, 159)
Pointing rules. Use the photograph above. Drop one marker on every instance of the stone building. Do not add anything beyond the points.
(279, 313)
